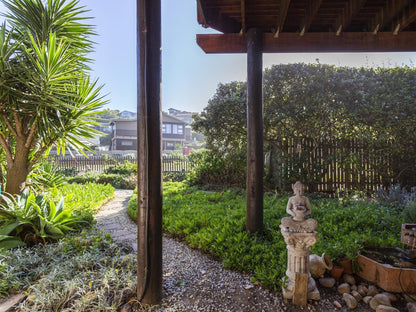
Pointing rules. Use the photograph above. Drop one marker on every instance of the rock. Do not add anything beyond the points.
(356, 295)
(379, 299)
(367, 299)
(337, 304)
(354, 287)
(391, 296)
(383, 299)
(126, 308)
(372, 291)
(344, 288)
(362, 290)
(349, 300)
(384, 308)
(348, 278)
(411, 306)
(327, 282)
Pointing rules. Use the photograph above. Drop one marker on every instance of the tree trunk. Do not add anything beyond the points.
(17, 171)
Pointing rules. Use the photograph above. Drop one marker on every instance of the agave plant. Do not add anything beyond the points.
(28, 219)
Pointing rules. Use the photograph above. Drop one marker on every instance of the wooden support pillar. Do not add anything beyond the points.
(149, 244)
(254, 208)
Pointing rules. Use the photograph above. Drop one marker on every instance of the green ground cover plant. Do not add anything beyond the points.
(83, 272)
(215, 222)
(83, 199)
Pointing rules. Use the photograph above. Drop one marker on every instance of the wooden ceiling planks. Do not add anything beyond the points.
(354, 21)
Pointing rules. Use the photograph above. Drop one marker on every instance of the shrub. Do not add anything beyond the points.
(126, 168)
(211, 169)
(174, 176)
(33, 219)
(409, 212)
(87, 177)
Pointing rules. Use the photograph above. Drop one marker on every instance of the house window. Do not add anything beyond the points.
(175, 129)
(126, 143)
(180, 129)
(166, 128)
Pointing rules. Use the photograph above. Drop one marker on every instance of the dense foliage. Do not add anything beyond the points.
(46, 95)
(28, 219)
(121, 176)
(323, 104)
(215, 222)
(86, 272)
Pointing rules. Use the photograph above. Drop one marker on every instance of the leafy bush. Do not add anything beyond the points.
(215, 222)
(409, 212)
(88, 177)
(45, 176)
(210, 169)
(86, 272)
(33, 219)
(175, 176)
(126, 168)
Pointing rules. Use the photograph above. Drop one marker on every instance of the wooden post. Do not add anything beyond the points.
(149, 245)
(254, 208)
(300, 291)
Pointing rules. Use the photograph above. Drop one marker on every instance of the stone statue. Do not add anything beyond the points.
(298, 207)
(299, 235)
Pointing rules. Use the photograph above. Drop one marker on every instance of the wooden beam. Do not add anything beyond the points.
(149, 194)
(312, 42)
(254, 185)
(406, 17)
(351, 9)
(209, 17)
(283, 8)
(385, 15)
(311, 10)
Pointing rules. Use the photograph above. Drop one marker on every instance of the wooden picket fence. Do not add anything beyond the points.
(100, 163)
(331, 165)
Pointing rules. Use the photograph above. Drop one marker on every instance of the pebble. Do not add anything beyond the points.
(384, 308)
(391, 296)
(327, 282)
(379, 299)
(344, 288)
(349, 300)
(348, 278)
(356, 295)
(337, 304)
(362, 289)
(411, 306)
(367, 299)
(372, 291)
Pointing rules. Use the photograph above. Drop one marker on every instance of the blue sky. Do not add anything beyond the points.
(189, 76)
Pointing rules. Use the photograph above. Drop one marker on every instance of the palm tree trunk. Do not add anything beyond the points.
(17, 171)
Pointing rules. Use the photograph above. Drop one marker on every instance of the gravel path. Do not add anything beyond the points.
(193, 281)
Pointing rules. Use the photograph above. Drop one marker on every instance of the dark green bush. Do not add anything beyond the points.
(175, 176)
(129, 182)
(409, 212)
(210, 169)
(126, 168)
(88, 177)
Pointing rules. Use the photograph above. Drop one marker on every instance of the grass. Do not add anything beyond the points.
(215, 222)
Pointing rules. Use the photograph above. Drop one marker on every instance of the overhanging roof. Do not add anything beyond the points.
(310, 25)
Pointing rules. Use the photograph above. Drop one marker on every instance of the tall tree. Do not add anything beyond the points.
(46, 95)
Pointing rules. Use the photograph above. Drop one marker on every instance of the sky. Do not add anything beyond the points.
(189, 76)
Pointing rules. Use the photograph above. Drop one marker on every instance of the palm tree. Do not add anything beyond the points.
(46, 95)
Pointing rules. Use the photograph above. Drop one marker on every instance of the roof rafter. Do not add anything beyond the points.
(243, 16)
(386, 14)
(351, 9)
(311, 10)
(283, 8)
(406, 17)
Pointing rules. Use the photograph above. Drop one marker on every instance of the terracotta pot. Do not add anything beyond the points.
(318, 265)
(346, 263)
(337, 271)
(389, 278)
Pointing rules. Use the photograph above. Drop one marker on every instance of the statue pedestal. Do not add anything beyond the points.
(298, 244)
